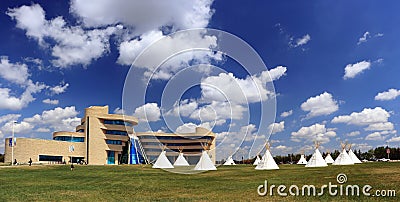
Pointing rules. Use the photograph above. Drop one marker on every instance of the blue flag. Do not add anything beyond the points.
(10, 142)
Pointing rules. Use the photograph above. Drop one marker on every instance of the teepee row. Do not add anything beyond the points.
(344, 158)
(204, 163)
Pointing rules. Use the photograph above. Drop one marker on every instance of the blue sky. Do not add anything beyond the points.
(334, 66)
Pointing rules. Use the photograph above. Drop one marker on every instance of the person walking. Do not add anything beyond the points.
(72, 166)
(30, 161)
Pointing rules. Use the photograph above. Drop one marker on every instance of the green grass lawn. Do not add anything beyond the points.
(142, 183)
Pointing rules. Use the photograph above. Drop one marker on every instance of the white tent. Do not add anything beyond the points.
(257, 161)
(343, 158)
(205, 162)
(302, 160)
(229, 162)
(162, 161)
(316, 159)
(353, 157)
(329, 159)
(181, 161)
(267, 162)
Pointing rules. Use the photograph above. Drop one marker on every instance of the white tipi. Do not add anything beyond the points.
(329, 159)
(316, 159)
(205, 162)
(257, 161)
(343, 158)
(162, 161)
(229, 162)
(302, 160)
(353, 157)
(181, 161)
(267, 162)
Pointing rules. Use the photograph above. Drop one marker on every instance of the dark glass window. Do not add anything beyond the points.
(173, 144)
(49, 158)
(147, 137)
(184, 138)
(152, 150)
(69, 139)
(117, 122)
(117, 142)
(116, 132)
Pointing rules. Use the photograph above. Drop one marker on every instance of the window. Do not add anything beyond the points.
(116, 132)
(152, 150)
(117, 142)
(50, 158)
(117, 122)
(80, 131)
(69, 139)
(184, 138)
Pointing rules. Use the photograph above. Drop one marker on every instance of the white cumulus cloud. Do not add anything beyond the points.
(322, 104)
(303, 40)
(376, 119)
(9, 101)
(59, 88)
(184, 108)
(226, 87)
(352, 70)
(49, 101)
(73, 44)
(287, 113)
(317, 132)
(59, 119)
(22, 127)
(9, 117)
(380, 126)
(391, 94)
(364, 38)
(144, 16)
(277, 127)
(13, 72)
(366, 117)
(394, 139)
(191, 127)
(377, 136)
(354, 133)
(148, 112)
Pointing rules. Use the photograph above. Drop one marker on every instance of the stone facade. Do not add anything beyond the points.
(103, 138)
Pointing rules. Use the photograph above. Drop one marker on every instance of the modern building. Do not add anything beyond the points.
(104, 138)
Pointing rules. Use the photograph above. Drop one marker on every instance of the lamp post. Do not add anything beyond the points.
(12, 144)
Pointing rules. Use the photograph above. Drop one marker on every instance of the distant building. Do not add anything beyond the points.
(189, 143)
(104, 138)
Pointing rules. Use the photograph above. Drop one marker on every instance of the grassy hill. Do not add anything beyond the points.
(228, 183)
